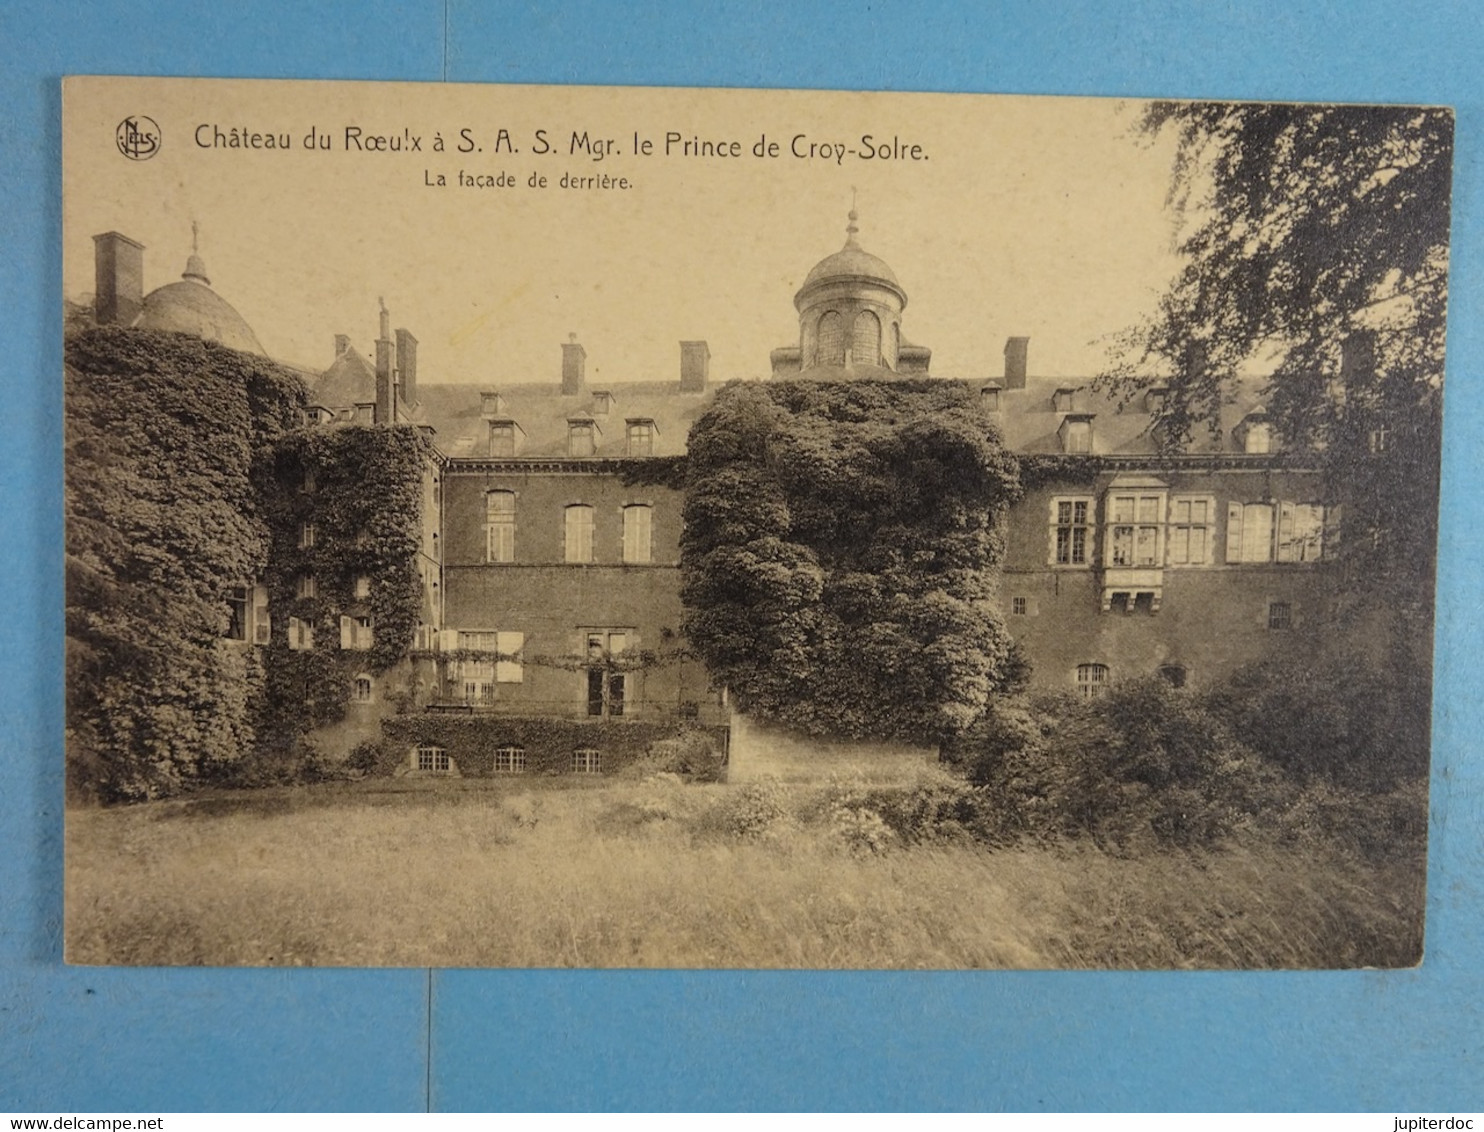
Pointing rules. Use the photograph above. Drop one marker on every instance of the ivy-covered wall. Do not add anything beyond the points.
(471, 740)
(164, 521)
(360, 488)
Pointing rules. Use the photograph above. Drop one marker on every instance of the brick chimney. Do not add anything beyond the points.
(118, 294)
(407, 365)
(574, 359)
(386, 393)
(1017, 354)
(695, 365)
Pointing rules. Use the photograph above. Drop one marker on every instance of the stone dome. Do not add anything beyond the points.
(192, 307)
(852, 263)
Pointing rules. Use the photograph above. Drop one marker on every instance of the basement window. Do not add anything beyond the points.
(587, 760)
(510, 760)
(431, 760)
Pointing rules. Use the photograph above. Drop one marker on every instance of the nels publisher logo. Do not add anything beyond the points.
(138, 137)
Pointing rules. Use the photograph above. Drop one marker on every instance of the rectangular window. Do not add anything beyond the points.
(431, 760)
(641, 438)
(1190, 530)
(1300, 532)
(1071, 527)
(1092, 681)
(510, 760)
(239, 613)
(306, 536)
(586, 760)
(363, 689)
(607, 689)
(1017, 606)
(499, 518)
(356, 633)
(637, 526)
(581, 440)
(579, 533)
(1280, 615)
(502, 438)
(363, 587)
(1249, 532)
(477, 674)
(1134, 531)
(301, 634)
(307, 586)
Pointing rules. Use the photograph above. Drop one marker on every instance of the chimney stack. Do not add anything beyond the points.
(695, 365)
(119, 289)
(407, 365)
(385, 393)
(342, 343)
(574, 358)
(1017, 353)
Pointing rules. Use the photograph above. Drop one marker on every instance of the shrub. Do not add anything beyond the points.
(1145, 764)
(691, 756)
(750, 810)
(1326, 719)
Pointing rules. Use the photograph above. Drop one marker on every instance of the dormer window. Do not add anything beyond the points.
(640, 436)
(582, 437)
(1154, 398)
(1061, 400)
(989, 397)
(491, 405)
(602, 403)
(1255, 434)
(504, 438)
(365, 412)
(1076, 433)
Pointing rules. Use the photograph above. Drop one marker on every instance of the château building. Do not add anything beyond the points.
(552, 516)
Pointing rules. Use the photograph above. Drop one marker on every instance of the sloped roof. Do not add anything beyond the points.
(350, 380)
(543, 412)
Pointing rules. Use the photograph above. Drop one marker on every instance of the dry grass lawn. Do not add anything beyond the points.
(570, 873)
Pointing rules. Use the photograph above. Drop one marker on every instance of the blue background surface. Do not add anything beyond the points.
(119, 1039)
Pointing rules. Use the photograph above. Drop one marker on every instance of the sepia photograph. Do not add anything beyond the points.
(622, 527)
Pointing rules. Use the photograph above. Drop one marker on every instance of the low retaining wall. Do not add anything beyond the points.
(472, 740)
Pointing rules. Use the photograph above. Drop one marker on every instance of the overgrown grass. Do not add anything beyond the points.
(655, 873)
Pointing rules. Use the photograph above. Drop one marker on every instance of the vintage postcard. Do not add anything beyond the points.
(579, 527)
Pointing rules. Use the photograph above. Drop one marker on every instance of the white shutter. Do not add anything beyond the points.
(1288, 548)
(509, 645)
(347, 632)
(448, 640)
(1233, 532)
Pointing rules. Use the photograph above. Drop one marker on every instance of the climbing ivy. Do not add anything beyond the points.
(163, 522)
(361, 489)
(840, 550)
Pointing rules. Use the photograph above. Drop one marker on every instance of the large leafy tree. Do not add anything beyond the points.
(1315, 254)
(840, 555)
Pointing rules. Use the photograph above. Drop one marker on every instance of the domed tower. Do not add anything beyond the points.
(850, 319)
(188, 306)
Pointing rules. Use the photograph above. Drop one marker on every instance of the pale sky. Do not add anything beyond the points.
(1030, 216)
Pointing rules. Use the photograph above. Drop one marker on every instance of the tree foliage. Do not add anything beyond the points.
(839, 555)
(1302, 228)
